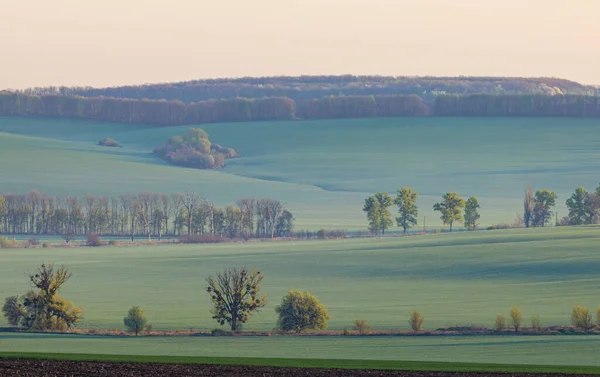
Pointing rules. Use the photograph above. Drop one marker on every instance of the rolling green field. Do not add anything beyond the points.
(323, 170)
(422, 351)
(450, 278)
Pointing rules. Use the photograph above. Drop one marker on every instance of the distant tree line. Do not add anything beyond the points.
(144, 214)
(303, 88)
(153, 112)
(175, 112)
(362, 107)
(570, 105)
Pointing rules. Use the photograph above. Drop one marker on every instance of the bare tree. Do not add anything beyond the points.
(190, 202)
(234, 294)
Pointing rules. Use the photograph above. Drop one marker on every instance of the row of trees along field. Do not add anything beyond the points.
(302, 88)
(377, 209)
(234, 293)
(235, 296)
(175, 112)
(144, 214)
(583, 206)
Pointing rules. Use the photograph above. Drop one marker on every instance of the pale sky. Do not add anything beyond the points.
(119, 42)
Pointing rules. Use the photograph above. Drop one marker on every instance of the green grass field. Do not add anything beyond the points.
(323, 170)
(450, 278)
(367, 352)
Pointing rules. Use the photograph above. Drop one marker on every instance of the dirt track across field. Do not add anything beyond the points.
(51, 368)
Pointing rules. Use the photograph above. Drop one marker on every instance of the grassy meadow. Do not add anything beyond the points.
(452, 279)
(357, 352)
(323, 170)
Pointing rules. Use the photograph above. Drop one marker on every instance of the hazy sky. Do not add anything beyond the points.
(115, 42)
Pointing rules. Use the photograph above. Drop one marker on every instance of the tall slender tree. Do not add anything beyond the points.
(406, 201)
(528, 204)
(471, 214)
(542, 209)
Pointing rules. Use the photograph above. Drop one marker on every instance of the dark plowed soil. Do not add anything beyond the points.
(48, 368)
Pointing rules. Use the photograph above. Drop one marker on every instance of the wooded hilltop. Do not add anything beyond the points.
(307, 97)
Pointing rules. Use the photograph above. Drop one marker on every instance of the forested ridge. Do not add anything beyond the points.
(307, 97)
(301, 88)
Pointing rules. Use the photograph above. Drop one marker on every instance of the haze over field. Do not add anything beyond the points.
(110, 42)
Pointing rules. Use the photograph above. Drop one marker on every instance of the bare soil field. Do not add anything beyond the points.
(55, 368)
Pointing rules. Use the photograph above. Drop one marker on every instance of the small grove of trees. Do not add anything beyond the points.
(301, 311)
(451, 208)
(235, 296)
(143, 214)
(194, 150)
(43, 309)
(135, 321)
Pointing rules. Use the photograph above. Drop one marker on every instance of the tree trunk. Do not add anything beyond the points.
(450, 226)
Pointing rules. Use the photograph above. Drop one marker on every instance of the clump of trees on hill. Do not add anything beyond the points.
(144, 214)
(194, 149)
(108, 142)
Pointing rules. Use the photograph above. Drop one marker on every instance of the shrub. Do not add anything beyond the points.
(68, 236)
(33, 242)
(301, 311)
(135, 322)
(346, 332)
(598, 316)
(535, 322)
(220, 332)
(361, 326)
(108, 142)
(46, 245)
(500, 323)
(500, 226)
(516, 318)
(113, 243)
(581, 318)
(5, 243)
(94, 240)
(416, 321)
(321, 234)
